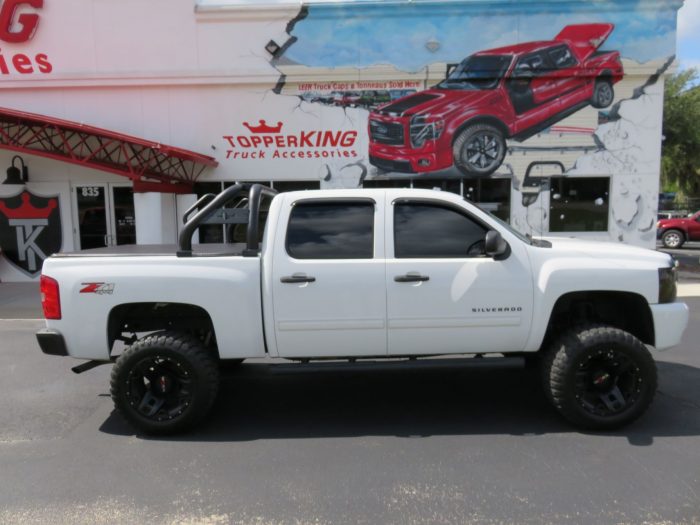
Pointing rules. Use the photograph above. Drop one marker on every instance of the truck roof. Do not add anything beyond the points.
(376, 193)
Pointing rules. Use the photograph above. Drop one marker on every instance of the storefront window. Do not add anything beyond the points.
(451, 185)
(209, 233)
(579, 204)
(493, 195)
(387, 183)
(296, 185)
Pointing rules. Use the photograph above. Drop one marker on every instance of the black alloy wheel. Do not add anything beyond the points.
(608, 382)
(599, 377)
(165, 383)
(479, 150)
(159, 387)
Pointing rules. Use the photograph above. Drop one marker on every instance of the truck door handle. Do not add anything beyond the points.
(411, 278)
(298, 278)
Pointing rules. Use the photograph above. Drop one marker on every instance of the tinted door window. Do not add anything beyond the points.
(331, 230)
(431, 231)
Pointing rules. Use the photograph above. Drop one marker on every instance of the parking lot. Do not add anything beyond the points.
(473, 444)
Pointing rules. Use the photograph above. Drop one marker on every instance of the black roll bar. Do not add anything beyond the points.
(544, 163)
(201, 202)
(255, 193)
(255, 197)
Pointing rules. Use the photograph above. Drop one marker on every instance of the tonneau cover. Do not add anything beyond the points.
(153, 250)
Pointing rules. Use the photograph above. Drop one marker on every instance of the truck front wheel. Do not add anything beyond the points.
(673, 239)
(165, 383)
(603, 94)
(599, 377)
(479, 150)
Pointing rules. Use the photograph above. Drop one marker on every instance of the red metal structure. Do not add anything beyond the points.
(150, 165)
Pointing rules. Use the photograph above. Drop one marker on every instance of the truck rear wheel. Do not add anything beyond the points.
(599, 377)
(165, 383)
(479, 150)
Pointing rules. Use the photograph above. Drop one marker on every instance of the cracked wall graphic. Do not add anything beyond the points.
(400, 95)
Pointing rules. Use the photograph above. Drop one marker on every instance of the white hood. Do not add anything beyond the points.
(609, 250)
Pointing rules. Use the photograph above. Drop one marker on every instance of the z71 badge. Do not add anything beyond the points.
(98, 288)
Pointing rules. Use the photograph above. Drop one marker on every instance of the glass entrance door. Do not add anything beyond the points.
(123, 215)
(104, 215)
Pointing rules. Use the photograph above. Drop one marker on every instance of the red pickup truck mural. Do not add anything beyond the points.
(511, 92)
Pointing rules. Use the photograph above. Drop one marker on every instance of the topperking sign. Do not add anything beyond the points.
(30, 230)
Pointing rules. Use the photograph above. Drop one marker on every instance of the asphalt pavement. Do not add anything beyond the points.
(472, 444)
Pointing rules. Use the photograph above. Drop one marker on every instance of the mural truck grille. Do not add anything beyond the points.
(386, 132)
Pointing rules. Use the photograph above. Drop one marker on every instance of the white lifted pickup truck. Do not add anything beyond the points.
(361, 274)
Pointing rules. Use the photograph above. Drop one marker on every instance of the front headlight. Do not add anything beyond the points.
(667, 284)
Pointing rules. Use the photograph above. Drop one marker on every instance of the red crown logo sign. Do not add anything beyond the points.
(27, 210)
(264, 128)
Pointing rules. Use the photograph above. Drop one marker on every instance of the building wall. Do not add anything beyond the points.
(194, 76)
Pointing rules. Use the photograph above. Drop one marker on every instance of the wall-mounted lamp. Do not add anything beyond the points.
(273, 48)
(15, 175)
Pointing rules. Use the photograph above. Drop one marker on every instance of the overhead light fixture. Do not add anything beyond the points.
(15, 175)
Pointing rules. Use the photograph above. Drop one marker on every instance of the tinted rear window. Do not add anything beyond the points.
(331, 230)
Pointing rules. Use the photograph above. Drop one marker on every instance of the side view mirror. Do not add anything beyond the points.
(495, 246)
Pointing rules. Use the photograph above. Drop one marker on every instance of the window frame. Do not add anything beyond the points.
(322, 200)
(440, 204)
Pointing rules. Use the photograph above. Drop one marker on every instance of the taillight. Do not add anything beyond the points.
(50, 297)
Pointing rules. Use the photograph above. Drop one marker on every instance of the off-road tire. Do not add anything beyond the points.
(474, 139)
(566, 376)
(180, 351)
(673, 239)
(603, 94)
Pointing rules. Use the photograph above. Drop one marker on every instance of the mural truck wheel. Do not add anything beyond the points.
(672, 239)
(479, 150)
(603, 94)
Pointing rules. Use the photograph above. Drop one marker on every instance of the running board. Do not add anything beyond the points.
(389, 364)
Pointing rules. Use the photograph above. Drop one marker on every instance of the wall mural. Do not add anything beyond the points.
(533, 98)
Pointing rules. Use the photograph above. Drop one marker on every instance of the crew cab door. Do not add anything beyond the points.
(531, 92)
(443, 294)
(328, 278)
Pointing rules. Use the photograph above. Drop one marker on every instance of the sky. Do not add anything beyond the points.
(365, 34)
(337, 38)
(689, 34)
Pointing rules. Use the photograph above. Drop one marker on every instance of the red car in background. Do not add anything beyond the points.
(511, 92)
(675, 232)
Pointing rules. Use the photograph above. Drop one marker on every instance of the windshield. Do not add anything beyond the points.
(477, 72)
